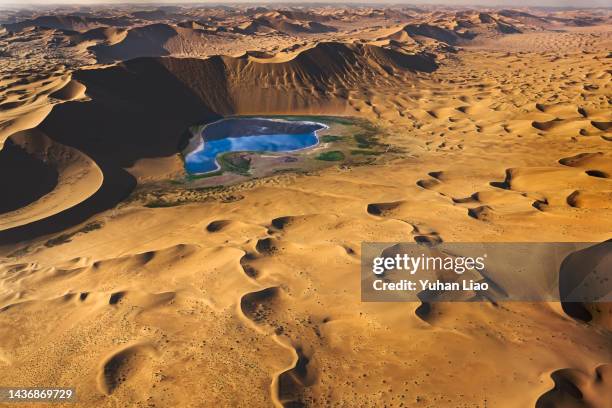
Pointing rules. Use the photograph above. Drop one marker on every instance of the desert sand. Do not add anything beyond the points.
(497, 127)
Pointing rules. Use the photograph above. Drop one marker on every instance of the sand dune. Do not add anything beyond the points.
(431, 31)
(76, 179)
(151, 41)
(66, 22)
(105, 35)
(576, 387)
(71, 91)
(284, 24)
(326, 66)
(134, 282)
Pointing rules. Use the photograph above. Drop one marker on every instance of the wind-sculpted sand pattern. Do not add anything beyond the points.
(140, 286)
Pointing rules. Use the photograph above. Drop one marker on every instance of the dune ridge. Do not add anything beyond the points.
(243, 86)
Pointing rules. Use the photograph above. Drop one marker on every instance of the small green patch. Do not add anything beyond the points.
(236, 162)
(364, 140)
(334, 155)
(330, 138)
(192, 177)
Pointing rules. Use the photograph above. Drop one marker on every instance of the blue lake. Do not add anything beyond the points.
(249, 134)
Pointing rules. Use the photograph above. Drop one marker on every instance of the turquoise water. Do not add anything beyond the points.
(253, 135)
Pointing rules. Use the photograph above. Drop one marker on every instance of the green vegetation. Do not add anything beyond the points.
(330, 138)
(364, 140)
(192, 177)
(334, 155)
(236, 162)
(357, 143)
(367, 137)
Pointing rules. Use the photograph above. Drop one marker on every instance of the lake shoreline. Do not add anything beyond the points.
(234, 128)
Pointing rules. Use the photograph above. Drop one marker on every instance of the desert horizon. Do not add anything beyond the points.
(306, 205)
(472, 3)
